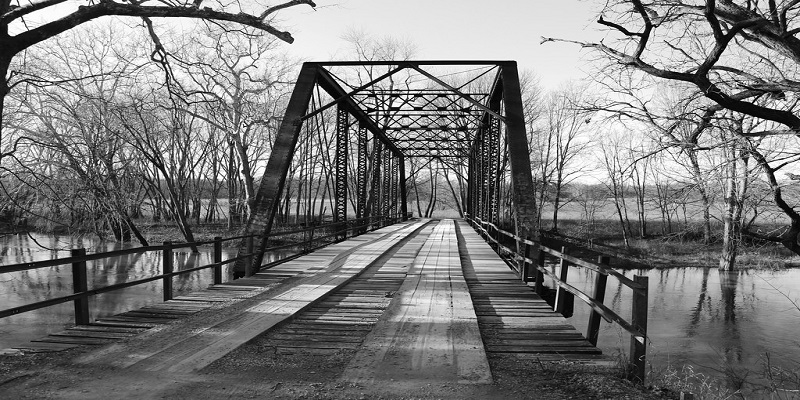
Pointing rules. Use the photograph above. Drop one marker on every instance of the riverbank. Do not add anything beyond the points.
(685, 249)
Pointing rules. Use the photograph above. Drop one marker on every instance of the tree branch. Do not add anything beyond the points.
(16, 12)
(618, 27)
(108, 7)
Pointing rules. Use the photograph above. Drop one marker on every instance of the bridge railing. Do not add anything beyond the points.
(534, 269)
(78, 260)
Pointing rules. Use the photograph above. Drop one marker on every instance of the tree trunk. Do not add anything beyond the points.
(731, 232)
(556, 205)
(456, 197)
(699, 180)
(232, 192)
(5, 62)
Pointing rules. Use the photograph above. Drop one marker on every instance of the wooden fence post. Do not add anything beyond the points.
(167, 268)
(564, 299)
(249, 268)
(525, 267)
(217, 260)
(539, 273)
(80, 284)
(639, 320)
(599, 295)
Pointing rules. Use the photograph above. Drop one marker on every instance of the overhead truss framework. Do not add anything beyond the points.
(465, 112)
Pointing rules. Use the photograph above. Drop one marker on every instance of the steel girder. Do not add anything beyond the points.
(442, 120)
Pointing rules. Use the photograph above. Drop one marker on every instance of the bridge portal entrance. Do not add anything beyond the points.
(366, 120)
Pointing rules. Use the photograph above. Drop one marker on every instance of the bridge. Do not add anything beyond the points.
(407, 299)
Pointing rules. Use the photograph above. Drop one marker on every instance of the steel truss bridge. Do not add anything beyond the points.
(402, 290)
(463, 113)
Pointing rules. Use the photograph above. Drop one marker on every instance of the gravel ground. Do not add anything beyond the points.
(256, 371)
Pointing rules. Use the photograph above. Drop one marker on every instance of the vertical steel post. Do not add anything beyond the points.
(600, 280)
(492, 166)
(167, 268)
(377, 162)
(340, 160)
(483, 188)
(387, 182)
(361, 187)
(395, 184)
(471, 181)
(403, 195)
(79, 285)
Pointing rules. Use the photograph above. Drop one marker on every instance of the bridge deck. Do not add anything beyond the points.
(418, 301)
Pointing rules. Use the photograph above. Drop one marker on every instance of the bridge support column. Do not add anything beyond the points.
(361, 184)
(340, 187)
(265, 206)
(374, 203)
(403, 196)
(519, 159)
(386, 191)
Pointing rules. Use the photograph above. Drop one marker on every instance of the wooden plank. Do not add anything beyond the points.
(45, 347)
(429, 332)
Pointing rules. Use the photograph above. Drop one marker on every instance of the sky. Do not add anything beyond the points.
(454, 29)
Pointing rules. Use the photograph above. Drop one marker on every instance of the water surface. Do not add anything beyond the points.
(721, 323)
(25, 287)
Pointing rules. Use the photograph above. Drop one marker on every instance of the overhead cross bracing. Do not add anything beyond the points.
(371, 118)
(419, 102)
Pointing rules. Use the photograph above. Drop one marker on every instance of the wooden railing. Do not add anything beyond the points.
(78, 259)
(534, 270)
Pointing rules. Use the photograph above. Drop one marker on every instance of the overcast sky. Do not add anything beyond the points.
(455, 29)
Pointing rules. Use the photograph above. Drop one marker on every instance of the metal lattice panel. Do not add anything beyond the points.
(361, 173)
(340, 191)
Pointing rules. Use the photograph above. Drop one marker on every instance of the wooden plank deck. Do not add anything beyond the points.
(513, 319)
(343, 319)
(430, 332)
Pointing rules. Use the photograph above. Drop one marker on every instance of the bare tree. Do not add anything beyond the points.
(616, 169)
(738, 54)
(561, 141)
(243, 81)
(17, 36)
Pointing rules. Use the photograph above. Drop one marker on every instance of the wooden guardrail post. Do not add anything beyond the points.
(217, 260)
(564, 299)
(539, 273)
(249, 267)
(167, 268)
(310, 240)
(593, 331)
(525, 267)
(80, 284)
(639, 321)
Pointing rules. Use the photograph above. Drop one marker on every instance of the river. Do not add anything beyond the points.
(25, 287)
(711, 323)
